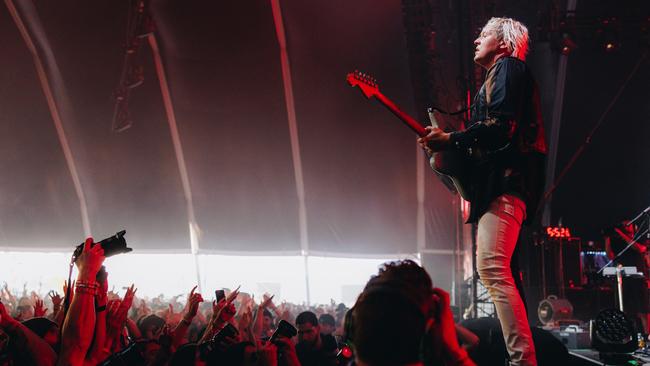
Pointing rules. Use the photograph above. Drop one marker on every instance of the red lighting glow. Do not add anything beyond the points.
(346, 352)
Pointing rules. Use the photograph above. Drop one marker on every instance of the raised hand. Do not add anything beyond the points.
(39, 308)
(193, 301)
(267, 301)
(245, 318)
(114, 318)
(445, 330)
(128, 299)
(57, 300)
(233, 295)
(90, 260)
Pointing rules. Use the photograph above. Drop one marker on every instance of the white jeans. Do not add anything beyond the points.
(498, 230)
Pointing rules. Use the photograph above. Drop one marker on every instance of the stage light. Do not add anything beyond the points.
(612, 332)
(567, 44)
(607, 35)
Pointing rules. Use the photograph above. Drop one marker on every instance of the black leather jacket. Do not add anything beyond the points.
(507, 126)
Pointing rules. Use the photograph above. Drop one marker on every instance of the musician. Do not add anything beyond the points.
(635, 290)
(505, 143)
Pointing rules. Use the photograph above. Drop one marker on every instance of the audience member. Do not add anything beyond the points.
(419, 328)
(327, 324)
(314, 348)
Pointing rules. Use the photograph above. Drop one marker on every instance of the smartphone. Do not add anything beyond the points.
(219, 294)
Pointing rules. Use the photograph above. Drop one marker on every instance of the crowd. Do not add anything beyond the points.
(398, 319)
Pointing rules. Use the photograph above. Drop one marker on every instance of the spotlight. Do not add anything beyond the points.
(612, 333)
(607, 35)
(567, 44)
(564, 37)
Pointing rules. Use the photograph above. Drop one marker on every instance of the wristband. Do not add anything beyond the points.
(85, 290)
(91, 285)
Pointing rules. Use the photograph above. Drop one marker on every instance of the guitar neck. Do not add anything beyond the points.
(408, 120)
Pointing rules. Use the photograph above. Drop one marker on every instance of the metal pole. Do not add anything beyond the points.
(619, 283)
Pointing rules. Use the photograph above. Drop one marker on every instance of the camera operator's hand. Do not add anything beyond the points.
(287, 349)
(90, 260)
(267, 354)
(444, 330)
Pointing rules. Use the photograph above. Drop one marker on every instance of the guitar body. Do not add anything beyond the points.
(457, 168)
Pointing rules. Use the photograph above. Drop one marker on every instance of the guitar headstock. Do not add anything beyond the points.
(365, 82)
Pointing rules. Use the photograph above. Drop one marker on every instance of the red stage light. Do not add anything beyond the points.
(346, 352)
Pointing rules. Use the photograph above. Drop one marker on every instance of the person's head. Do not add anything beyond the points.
(413, 280)
(404, 290)
(308, 328)
(501, 37)
(150, 325)
(25, 309)
(44, 328)
(267, 321)
(387, 328)
(327, 323)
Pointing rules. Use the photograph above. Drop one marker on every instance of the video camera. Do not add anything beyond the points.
(284, 329)
(206, 349)
(116, 244)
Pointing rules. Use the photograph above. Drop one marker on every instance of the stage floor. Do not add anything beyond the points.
(585, 357)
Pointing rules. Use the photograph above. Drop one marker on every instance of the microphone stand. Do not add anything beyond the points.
(632, 242)
(636, 237)
(619, 268)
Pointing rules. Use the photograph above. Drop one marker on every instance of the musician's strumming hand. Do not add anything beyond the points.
(436, 140)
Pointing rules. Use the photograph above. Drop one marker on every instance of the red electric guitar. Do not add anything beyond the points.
(451, 164)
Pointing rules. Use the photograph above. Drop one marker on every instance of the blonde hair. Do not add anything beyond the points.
(512, 33)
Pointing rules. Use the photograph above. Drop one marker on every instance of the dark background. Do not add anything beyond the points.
(222, 61)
